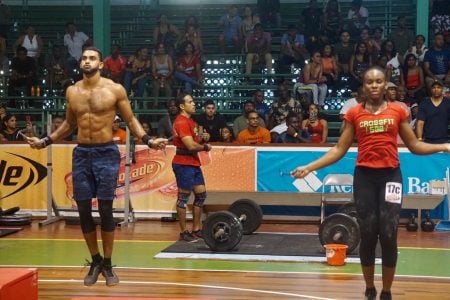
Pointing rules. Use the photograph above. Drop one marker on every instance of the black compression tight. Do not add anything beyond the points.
(378, 197)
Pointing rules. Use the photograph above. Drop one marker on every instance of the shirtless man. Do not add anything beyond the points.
(92, 104)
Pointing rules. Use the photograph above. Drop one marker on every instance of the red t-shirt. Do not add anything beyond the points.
(115, 66)
(182, 127)
(377, 135)
(189, 65)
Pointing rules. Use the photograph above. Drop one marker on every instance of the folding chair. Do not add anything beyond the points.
(335, 197)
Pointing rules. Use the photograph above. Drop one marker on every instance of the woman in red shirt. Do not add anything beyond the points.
(188, 69)
(377, 186)
(414, 80)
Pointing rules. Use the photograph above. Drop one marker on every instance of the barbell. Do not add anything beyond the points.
(223, 230)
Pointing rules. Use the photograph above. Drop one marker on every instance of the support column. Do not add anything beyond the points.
(422, 18)
(102, 25)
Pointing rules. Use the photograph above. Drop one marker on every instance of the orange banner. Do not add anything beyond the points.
(152, 182)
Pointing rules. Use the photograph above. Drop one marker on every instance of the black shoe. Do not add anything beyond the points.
(110, 276)
(370, 293)
(94, 270)
(198, 234)
(385, 295)
(188, 237)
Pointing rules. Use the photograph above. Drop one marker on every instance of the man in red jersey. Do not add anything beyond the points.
(377, 186)
(186, 166)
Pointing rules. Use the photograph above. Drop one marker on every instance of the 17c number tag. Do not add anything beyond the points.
(393, 192)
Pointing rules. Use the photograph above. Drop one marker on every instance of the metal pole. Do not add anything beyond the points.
(126, 204)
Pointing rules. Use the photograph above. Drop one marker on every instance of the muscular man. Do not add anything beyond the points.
(91, 106)
(186, 166)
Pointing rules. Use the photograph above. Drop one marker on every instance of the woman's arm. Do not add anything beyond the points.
(325, 130)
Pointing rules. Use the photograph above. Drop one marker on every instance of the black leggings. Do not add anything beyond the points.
(378, 197)
(105, 209)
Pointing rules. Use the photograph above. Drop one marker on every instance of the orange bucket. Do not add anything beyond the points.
(336, 254)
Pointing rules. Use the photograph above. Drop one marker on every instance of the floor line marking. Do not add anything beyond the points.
(234, 271)
(196, 285)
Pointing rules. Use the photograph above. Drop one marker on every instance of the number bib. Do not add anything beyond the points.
(393, 192)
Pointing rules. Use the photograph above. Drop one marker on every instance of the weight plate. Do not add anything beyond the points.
(348, 209)
(250, 212)
(16, 220)
(9, 211)
(340, 228)
(222, 231)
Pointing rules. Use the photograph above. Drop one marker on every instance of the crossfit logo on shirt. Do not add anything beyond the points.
(374, 126)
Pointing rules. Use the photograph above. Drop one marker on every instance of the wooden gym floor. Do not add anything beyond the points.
(58, 252)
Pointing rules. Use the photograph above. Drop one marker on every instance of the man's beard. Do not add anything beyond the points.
(90, 71)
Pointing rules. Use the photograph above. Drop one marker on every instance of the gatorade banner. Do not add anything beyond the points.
(23, 176)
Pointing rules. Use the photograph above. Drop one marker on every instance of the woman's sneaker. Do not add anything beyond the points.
(110, 276)
(188, 237)
(94, 270)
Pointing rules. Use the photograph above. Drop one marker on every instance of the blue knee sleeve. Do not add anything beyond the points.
(183, 199)
(200, 199)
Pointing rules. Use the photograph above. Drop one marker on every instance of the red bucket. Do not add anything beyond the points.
(336, 254)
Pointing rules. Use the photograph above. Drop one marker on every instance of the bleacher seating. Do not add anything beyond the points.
(132, 26)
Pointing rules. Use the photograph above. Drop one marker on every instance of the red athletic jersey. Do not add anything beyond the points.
(377, 135)
(182, 127)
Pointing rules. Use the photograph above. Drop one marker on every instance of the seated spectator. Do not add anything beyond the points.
(248, 22)
(260, 106)
(240, 123)
(190, 35)
(230, 25)
(57, 76)
(188, 69)
(349, 103)
(137, 72)
(2, 113)
(165, 124)
(343, 51)
(378, 37)
(10, 132)
(166, 33)
(329, 67)
(258, 47)
(193, 21)
(147, 128)
(269, 13)
(23, 73)
(418, 49)
(357, 18)
(402, 96)
(74, 41)
(114, 65)
(211, 121)
(57, 121)
(372, 47)
(434, 116)
(282, 107)
(313, 78)
(391, 61)
(162, 72)
(254, 133)
(413, 78)
(312, 20)
(436, 63)
(392, 96)
(293, 51)
(414, 113)
(439, 16)
(4, 63)
(316, 127)
(359, 63)
(31, 41)
(119, 134)
(293, 134)
(332, 20)
(403, 37)
(226, 135)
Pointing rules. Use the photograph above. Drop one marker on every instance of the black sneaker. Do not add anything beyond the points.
(198, 234)
(370, 293)
(385, 295)
(94, 270)
(110, 276)
(188, 237)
